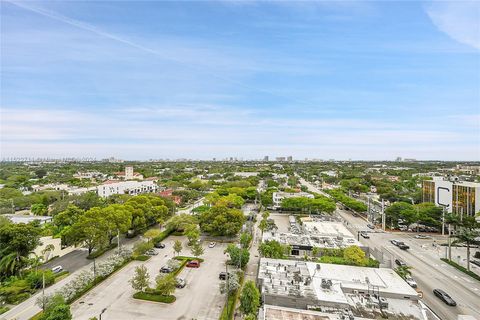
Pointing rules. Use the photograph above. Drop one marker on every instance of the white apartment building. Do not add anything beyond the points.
(279, 196)
(126, 187)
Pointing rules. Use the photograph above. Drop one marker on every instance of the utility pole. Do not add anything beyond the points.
(43, 291)
(443, 220)
(227, 286)
(118, 241)
(383, 215)
(94, 270)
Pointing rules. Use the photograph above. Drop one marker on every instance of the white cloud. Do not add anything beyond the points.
(460, 20)
(210, 131)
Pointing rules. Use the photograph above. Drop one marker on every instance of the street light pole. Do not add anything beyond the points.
(100, 315)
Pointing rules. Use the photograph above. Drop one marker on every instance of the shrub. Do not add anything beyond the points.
(15, 291)
(154, 297)
(101, 251)
(4, 309)
(141, 247)
(35, 278)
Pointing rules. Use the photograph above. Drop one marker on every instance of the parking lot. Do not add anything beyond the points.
(199, 299)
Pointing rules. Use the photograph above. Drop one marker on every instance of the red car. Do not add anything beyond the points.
(193, 264)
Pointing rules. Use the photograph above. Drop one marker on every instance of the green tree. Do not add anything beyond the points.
(245, 239)
(118, 220)
(273, 249)
(165, 284)
(16, 243)
(197, 250)
(91, 229)
(230, 285)
(141, 278)
(467, 234)
(354, 255)
(55, 308)
(152, 234)
(231, 201)
(68, 217)
(238, 257)
(39, 209)
(46, 251)
(249, 298)
(222, 221)
(177, 247)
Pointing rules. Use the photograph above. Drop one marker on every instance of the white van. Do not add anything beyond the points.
(57, 269)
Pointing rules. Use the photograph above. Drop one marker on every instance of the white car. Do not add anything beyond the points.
(412, 283)
(212, 244)
(422, 236)
(57, 269)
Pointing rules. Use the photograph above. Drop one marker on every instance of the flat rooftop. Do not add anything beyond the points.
(337, 286)
(281, 313)
(17, 218)
(286, 277)
(316, 226)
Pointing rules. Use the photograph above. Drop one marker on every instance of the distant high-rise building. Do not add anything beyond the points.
(398, 159)
(280, 159)
(265, 158)
(290, 158)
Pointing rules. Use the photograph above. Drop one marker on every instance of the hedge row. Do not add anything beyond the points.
(154, 297)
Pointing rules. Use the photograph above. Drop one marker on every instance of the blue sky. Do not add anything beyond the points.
(202, 79)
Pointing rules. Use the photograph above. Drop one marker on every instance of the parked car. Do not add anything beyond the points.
(400, 263)
(193, 264)
(180, 283)
(371, 226)
(422, 236)
(212, 244)
(57, 269)
(159, 245)
(411, 282)
(442, 295)
(476, 262)
(223, 275)
(166, 269)
(151, 252)
(365, 235)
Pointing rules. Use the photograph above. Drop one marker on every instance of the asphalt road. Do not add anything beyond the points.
(427, 269)
(74, 262)
(78, 258)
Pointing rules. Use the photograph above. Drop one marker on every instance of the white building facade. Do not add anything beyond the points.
(126, 187)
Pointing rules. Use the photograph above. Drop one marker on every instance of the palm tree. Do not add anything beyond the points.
(46, 251)
(468, 234)
(403, 271)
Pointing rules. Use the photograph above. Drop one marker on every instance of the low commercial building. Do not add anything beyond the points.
(278, 197)
(314, 233)
(352, 292)
(126, 187)
(458, 197)
(17, 218)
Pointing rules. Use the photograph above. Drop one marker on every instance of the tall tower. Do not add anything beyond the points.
(129, 173)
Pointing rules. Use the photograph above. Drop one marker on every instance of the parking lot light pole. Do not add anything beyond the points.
(100, 315)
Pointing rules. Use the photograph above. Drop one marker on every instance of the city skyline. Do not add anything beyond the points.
(345, 80)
